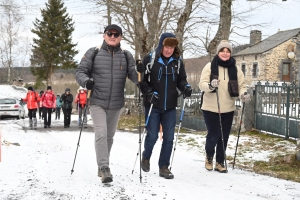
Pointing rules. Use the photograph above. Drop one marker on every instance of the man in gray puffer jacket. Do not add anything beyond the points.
(106, 75)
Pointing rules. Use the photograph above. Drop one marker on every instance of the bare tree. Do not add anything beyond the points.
(10, 28)
(193, 22)
(223, 31)
(182, 21)
(231, 21)
(144, 21)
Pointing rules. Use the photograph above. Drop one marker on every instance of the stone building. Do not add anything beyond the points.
(268, 59)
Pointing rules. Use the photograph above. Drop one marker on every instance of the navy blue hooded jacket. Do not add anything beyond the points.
(164, 78)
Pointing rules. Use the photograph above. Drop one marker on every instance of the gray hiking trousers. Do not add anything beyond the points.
(105, 124)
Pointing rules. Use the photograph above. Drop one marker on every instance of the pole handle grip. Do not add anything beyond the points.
(139, 77)
(89, 94)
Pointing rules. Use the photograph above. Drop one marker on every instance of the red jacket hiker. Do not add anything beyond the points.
(49, 99)
(32, 98)
(81, 97)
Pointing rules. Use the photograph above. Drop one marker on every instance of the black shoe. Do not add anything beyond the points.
(105, 174)
(49, 126)
(166, 173)
(45, 126)
(65, 127)
(145, 165)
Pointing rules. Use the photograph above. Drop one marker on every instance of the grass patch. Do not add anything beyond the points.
(284, 167)
(130, 122)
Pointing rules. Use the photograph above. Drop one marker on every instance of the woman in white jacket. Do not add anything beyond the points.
(220, 75)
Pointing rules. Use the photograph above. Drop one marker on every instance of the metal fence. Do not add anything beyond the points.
(193, 118)
(277, 108)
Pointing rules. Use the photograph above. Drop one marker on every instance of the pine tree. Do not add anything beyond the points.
(53, 48)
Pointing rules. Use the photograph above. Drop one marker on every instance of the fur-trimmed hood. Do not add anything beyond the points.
(168, 39)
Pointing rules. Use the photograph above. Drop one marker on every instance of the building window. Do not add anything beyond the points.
(254, 70)
(244, 68)
(243, 58)
(255, 57)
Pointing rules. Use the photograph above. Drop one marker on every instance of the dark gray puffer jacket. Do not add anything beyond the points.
(109, 73)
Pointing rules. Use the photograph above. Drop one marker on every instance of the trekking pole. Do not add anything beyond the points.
(140, 131)
(218, 101)
(237, 141)
(85, 107)
(180, 120)
(23, 115)
(140, 141)
(23, 119)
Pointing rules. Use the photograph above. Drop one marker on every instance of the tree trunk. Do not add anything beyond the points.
(183, 19)
(223, 31)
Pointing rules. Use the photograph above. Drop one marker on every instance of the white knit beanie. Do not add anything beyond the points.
(224, 44)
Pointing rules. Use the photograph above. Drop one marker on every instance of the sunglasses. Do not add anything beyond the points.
(109, 34)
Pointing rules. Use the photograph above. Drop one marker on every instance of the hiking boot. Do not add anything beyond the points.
(166, 173)
(105, 174)
(209, 163)
(220, 168)
(145, 165)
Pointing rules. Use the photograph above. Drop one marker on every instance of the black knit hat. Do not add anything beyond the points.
(49, 87)
(30, 88)
(67, 90)
(42, 91)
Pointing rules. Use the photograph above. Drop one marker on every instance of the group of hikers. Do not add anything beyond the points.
(161, 77)
(47, 103)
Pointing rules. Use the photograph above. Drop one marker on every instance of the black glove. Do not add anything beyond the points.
(153, 97)
(53, 110)
(21, 100)
(187, 91)
(140, 68)
(89, 84)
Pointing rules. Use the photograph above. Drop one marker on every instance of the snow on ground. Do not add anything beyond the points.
(36, 165)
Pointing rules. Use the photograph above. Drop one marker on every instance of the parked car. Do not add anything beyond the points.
(12, 108)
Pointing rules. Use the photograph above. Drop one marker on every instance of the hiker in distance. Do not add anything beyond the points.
(49, 103)
(41, 105)
(32, 98)
(80, 101)
(104, 71)
(58, 107)
(159, 87)
(220, 77)
(67, 99)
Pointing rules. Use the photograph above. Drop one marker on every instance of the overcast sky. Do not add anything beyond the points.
(88, 26)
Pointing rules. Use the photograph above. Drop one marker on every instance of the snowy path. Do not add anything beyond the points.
(40, 168)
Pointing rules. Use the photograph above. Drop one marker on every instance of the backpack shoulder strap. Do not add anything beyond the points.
(150, 64)
(125, 54)
(95, 54)
(178, 65)
(93, 58)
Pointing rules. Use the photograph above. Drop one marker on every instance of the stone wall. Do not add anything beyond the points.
(269, 64)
